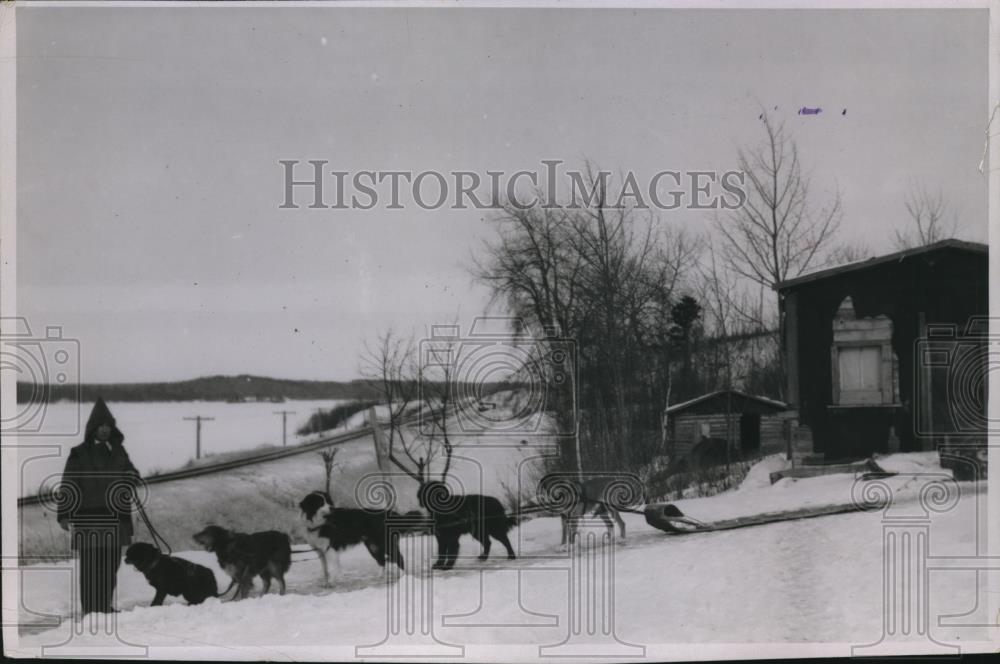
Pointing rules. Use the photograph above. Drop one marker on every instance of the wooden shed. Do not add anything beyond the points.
(749, 423)
(872, 350)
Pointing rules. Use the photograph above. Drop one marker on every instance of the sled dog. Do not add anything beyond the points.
(589, 498)
(328, 528)
(171, 576)
(267, 554)
(482, 517)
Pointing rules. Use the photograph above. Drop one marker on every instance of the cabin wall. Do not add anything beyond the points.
(687, 431)
(946, 287)
(772, 437)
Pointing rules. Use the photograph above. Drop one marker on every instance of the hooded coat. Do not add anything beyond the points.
(99, 479)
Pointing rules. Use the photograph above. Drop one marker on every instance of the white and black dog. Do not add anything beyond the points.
(329, 528)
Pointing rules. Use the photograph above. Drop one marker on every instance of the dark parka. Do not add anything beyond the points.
(99, 479)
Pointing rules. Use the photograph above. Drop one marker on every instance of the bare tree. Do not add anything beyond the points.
(930, 216)
(531, 268)
(668, 321)
(631, 267)
(437, 379)
(743, 347)
(604, 275)
(391, 367)
(717, 295)
(401, 376)
(779, 232)
(717, 289)
(328, 465)
(615, 253)
(850, 252)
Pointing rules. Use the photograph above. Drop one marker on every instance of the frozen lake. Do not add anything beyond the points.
(157, 436)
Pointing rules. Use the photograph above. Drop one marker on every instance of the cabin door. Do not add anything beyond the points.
(749, 434)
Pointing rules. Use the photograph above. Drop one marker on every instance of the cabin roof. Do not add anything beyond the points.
(898, 256)
(768, 404)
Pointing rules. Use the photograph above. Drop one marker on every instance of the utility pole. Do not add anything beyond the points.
(284, 421)
(198, 419)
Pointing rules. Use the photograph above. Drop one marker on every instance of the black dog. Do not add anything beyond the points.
(338, 528)
(172, 576)
(266, 554)
(480, 516)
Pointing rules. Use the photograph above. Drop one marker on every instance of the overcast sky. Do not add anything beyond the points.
(149, 140)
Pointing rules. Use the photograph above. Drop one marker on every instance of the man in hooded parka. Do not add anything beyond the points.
(95, 506)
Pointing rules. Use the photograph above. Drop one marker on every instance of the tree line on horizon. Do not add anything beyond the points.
(209, 388)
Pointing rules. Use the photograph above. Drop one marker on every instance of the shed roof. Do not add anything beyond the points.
(961, 245)
(768, 404)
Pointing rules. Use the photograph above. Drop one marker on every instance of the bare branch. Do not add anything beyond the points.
(390, 365)
(931, 219)
(777, 234)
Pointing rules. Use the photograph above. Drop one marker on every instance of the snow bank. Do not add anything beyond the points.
(911, 462)
(757, 495)
(759, 476)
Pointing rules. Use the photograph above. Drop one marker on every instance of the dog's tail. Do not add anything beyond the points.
(511, 522)
(284, 553)
(224, 592)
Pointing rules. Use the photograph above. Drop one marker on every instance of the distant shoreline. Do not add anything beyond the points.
(236, 389)
(233, 389)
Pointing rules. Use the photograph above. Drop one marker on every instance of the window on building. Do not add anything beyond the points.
(859, 372)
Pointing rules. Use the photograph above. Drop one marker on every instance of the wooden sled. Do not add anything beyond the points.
(668, 518)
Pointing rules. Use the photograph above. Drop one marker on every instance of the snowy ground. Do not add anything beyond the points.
(797, 582)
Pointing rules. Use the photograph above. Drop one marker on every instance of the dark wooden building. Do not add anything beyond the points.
(887, 354)
(749, 423)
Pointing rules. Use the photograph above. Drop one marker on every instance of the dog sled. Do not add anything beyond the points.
(668, 518)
